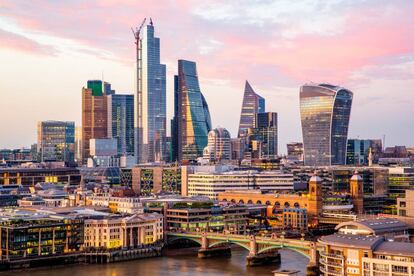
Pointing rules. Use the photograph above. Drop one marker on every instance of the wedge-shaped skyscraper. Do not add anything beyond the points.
(325, 110)
(252, 104)
(192, 121)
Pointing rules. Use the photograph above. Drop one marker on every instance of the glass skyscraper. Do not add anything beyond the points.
(121, 122)
(192, 118)
(56, 141)
(150, 97)
(325, 110)
(252, 104)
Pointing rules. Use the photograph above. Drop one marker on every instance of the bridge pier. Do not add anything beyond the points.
(312, 269)
(206, 252)
(256, 259)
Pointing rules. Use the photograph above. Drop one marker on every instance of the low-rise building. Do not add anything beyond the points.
(126, 205)
(112, 232)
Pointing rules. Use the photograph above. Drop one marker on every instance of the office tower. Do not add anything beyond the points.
(357, 151)
(56, 141)
(295, 151)
(121, 122)
(325, 110)
(150, 97)
(192, 117)
(266, 128)
(78, 144)
(174, 123)
(219, 145)
(252, 104)
(238, 146)
(94, 113)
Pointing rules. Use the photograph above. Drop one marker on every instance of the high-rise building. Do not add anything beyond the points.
(121, 122)
(219, 145)
(265, 131)
(357, 151)
(192, 120)
(56, 141)
(325, 110)
(174, 123)
(78, 144)
(150, 98)
(252, 104)
(295, 151)
(94, 113)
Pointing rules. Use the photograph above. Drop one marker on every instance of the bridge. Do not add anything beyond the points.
(258, 247)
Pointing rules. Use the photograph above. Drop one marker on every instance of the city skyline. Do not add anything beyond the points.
(376, 66)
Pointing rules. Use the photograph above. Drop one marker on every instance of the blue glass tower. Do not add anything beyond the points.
(150, 107)
(325, 111)
(192, 117)
(121, 122)
(252, 105)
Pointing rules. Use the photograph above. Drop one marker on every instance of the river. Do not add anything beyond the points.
(176, 262)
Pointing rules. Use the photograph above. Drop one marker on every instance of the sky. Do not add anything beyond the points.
(49, 49)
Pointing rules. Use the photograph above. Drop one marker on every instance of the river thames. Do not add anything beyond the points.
(175, 262)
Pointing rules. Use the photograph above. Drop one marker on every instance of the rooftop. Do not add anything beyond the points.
(352, 241)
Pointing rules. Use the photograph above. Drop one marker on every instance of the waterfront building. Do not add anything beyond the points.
(325, 111)
(212, 183)
(151, 179)
(204, 216)
(56, 141)
(295, 151)
(121, 122)
(390, 228)
(252, 104)
(25, 234)
(94, 113)
(219, 147)
(355, 255)
(192, 118)
(111, 232)
(150, 97)
(358, 151)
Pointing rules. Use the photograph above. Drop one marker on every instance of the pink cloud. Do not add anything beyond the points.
(20, 43)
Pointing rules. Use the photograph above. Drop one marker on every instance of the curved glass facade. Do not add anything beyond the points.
(252, 104)
(325, 110)
(194, 120)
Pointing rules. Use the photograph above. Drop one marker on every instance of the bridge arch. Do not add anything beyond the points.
(301, 252)
(245, 246)
(174, 239)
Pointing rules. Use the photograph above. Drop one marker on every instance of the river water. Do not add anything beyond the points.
(176, 262)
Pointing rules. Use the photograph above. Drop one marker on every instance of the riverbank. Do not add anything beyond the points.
(183, 262)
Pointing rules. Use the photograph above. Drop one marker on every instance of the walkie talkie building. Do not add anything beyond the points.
(325, 110)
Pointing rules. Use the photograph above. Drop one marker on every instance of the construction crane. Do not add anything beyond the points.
(138, 31)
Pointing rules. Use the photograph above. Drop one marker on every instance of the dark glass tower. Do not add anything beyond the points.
(252, 104)
(325, 110)
(192, 121)
(121, 122)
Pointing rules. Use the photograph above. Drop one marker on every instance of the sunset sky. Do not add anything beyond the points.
(49, 49)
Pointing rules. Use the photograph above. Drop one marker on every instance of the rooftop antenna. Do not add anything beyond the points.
(151, 21)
